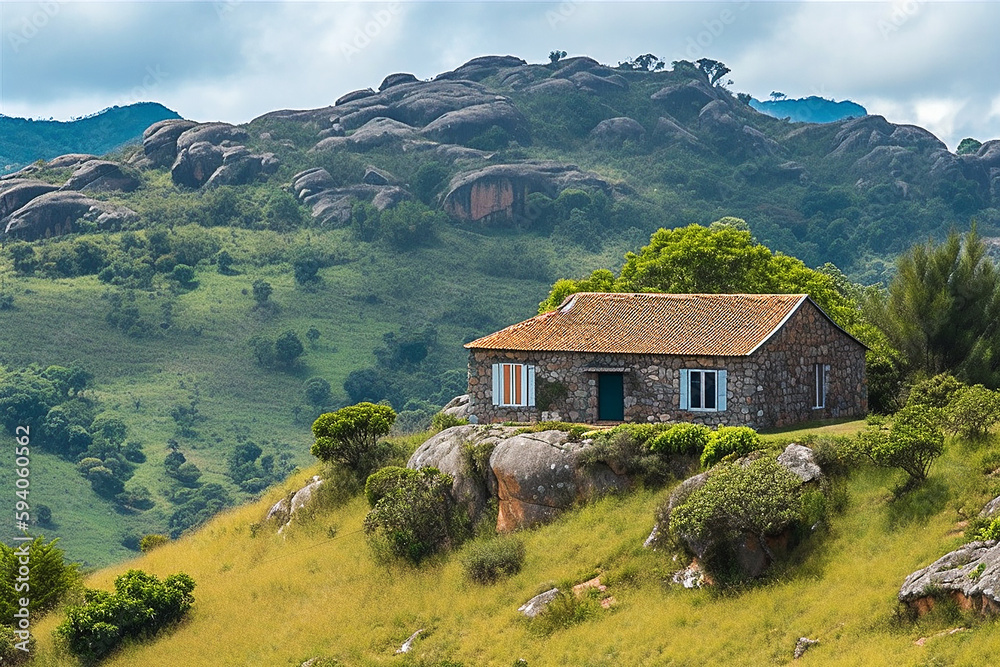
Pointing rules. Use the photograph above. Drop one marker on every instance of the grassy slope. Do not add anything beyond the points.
(274, 601)
(62, 321)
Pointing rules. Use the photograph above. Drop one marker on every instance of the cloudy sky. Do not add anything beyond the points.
(914, 61)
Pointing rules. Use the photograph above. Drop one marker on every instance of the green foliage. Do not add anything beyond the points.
(968, 146)
(288, 348)
(140, 607)
(196, 506)
(556, 56)
(440, 421)
(262, 291)
(317, 391)
(383, 481)
(489, 560)
(350, 436)
(760, 498)
(911, 443)
(49, 580)
(625, 450)
(973, 411)
(417, 518)
(152, 541)
(991, 531)
(10, 653)
(682, 439)
(183, 274)
(428, 180)
(940, 307)
(728, 441)
(935, 392)
(565, 610)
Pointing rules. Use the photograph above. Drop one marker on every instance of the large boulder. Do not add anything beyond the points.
(599, 84)
(461, 125)
(397, 79)
(17, 192)
(215, 134)
(354, 95)
(970, 576)
(311, 182)
(539, 476)
(69, 160)
(801, 461)
(240, 167)
(479, 68)
(686, 99)
(283, 511)
(376, 133)
(56, 213)
(992, 508)
(616, 131)
(101, 176)
(669, 130)
(499, 193)
(159, 141)
(457, 407)
(196, 163)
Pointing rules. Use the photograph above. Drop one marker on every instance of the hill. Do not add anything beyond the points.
(383, 232)
(320, 592)
(23, 140)
(810, 109)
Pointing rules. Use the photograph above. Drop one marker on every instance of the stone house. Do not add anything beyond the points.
(760, 360)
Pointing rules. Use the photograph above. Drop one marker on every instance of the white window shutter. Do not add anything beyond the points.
(530, 384)
(720, 387)
(496, 384)
(685, 404)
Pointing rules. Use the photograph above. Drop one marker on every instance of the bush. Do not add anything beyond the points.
(10, 641)
(486, 561)
(623, 448)
(973, 411)
(681, 439)
(761, 498)
(912, 442)
(381, 482)
(441, 421)
(140, 606)
(51, 577)
(350, 436)
(150, 542)
(417, 518)
(727, 440)
(935, 392)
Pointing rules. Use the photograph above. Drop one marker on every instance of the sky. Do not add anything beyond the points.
(914, 61)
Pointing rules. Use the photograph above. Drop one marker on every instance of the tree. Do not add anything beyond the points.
(644, 63)
(968, 146)
(261, 291)
(313, 335)
(317, 391)
(942, 309)
(51, 577)
(911, 443)
(224, 262)
(713, 69)
(350, 436)
(287, 348)
(973, 412)
(775, 96)
(23, 255)
(183, 274)
(744, 98)
(556, 56)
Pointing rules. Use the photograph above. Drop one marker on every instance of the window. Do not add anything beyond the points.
(821, 373)
(703, 391)
(514, 385)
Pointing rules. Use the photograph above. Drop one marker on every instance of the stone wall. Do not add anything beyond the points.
(771, 387)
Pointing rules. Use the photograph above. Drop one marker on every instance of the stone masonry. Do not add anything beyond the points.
(772, 387)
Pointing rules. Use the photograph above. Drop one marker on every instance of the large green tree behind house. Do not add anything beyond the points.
(942, 309)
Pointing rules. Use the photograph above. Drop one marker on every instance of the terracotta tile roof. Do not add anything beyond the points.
(688, 324)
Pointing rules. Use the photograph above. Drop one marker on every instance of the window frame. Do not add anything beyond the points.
(511, 378)
(820, 385)
(721, 380)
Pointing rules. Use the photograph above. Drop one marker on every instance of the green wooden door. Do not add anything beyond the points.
(610, 397)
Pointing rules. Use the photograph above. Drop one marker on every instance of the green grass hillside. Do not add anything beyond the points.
(262, 599)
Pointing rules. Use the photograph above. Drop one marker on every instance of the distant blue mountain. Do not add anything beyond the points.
(23, 141)
(810, 109)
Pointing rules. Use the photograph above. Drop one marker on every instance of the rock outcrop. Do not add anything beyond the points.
(615, 131)
(56, 213)
(457, 407)
(801, 461)
(331, 205)
(101, 176)
(533, 476)
(499, 193)
(210, 154)
(461, 125)
(970, 576)
(16, 193)
(69, 160)
(397, 79)
(159, 141)
(537, 604)
(283, 511)
(375, 133)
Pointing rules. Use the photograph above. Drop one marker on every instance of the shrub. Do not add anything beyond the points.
(727, 440)
(681, 439)
(623, 449)
(912, 442)
(761, 498)
(140, 606)
(991, 531)
(417, 518)
(51, 577)
(564, 610)
(10, 640)
(440, 421)
(152, 541)
(973, 411)
(381, 482)
(486, 561)
(935, 392)
(350, 436)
